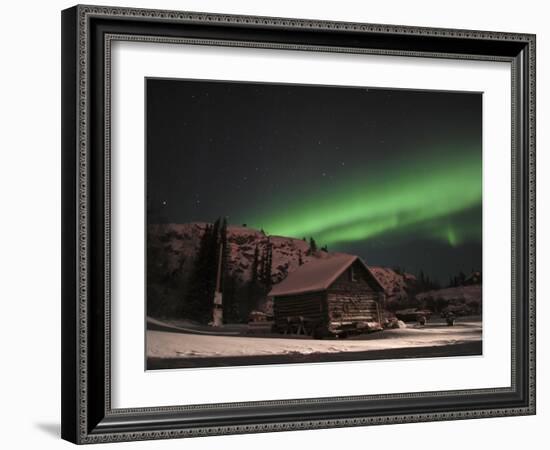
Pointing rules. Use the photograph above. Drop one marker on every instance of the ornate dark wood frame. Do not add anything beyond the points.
(87, 33)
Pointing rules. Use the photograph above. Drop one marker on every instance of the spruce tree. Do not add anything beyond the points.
(267, 261)
(199, 300)
(227, 281)
(269, 265)
(312, 246)
(422, 281)
(253, 287)
(230, 299)
(197, 303)
(255, 265)
(212, 259)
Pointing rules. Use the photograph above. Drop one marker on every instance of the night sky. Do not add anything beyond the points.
(393, 176)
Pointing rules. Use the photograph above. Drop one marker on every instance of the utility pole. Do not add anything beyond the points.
(217, 311)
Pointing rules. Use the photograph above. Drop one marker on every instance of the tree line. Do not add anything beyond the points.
(239, 297)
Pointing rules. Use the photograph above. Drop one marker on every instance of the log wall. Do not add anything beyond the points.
(311, 306)
(352, 300)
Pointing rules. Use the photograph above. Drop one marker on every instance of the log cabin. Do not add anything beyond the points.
(333, 296)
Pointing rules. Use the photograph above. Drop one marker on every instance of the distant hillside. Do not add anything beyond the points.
(181, 242)
(397, 286)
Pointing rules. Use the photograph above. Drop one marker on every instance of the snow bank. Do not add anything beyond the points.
(162, 344)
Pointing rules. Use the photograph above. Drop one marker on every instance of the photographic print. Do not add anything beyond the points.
(295, 223)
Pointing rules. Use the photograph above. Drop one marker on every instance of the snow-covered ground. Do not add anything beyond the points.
(178, 344)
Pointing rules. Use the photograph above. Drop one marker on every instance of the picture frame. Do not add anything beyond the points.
(87, 366)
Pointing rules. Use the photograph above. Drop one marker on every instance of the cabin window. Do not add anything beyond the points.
(352, 276)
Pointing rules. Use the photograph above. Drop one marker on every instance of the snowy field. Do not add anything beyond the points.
(181, 343)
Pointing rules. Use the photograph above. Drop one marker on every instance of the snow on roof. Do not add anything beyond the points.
(317, 275)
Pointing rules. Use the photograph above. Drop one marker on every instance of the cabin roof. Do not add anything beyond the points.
(318, 275)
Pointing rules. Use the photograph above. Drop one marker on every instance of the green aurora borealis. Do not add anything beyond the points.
(426, 197)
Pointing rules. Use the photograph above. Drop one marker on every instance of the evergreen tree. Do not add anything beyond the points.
(253, 285)
(227, 281)
(267, 261)
(212, 262)
(255, 265)
(312, 246)
(269, 265)
(231, 311)
(202, 284)
(225, 252)
(197, 304)
(422, 279)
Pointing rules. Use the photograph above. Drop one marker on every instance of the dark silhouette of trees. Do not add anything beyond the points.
(254, 288)
(425, 283)
(312, 246)
(231, 305)
(267, 262)
(229, 285)
(199, 299)
(462, 280)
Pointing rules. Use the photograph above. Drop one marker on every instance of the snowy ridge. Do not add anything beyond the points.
(181, 241)
(396, 285)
